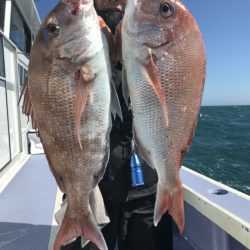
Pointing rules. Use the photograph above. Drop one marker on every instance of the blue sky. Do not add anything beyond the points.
(225, 25)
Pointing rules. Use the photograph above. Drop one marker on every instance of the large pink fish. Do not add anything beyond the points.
(164, 72)
(68, 95)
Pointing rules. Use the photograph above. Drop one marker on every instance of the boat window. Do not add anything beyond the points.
(19, 31)
(2, 13)
(2, 73)
(22, 75)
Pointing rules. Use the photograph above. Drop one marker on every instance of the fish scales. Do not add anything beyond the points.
(57, 133)
(69, 94)
(164, 62)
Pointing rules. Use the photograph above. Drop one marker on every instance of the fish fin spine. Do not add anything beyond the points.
(27, 108)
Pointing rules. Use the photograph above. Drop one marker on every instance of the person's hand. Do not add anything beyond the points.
(107, 32)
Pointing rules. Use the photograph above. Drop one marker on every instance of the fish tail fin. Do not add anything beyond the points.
(173, 203)
(86, 227)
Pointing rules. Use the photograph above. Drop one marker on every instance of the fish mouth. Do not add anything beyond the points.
(77, 8)
(113, 9)
(156, 46)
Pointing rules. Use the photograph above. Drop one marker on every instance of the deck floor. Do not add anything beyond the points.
(27, 207)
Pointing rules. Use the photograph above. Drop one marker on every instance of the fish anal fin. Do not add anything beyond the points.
(115, 103)
(156, 85)
(72, 228)
(142, 151)
(171, 202)
(84, 78)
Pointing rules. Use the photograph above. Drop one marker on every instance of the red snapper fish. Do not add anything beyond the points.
(164, 73)
(68, 94)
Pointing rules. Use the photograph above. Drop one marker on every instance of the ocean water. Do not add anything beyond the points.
(221, 146)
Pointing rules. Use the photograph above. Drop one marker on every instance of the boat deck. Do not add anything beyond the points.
(29, 201)
(28, 206)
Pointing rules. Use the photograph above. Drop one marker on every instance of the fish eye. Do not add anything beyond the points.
(53, 29)
(166, 10)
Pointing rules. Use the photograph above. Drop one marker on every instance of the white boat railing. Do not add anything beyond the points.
(224, 206)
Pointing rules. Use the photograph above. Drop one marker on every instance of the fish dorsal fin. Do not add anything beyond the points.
(125, 90)
(27, 106)
(85, 79)
(155, 83)
(24, 90)
(115, 103)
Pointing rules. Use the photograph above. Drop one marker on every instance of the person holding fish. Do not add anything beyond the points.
(160, 42)
(164, 70)
(70, 95)
(129, 208)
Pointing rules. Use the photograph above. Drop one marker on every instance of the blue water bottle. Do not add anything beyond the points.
(136, 171)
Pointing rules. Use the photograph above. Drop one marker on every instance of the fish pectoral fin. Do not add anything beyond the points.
(86, 227)
(125, 90)
(115, 103)
(173, 203)
(155, 83)
(143, 153)
(27, 106)
(86, 74)
(85, 79)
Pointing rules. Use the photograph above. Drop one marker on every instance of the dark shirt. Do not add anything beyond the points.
(116, 183)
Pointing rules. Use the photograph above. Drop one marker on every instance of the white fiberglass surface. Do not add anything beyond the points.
(4, 135)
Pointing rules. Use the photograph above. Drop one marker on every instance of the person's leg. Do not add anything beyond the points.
(76, 245)
(110, 231)
(138, 230)
(163, 234)
(139, 235)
